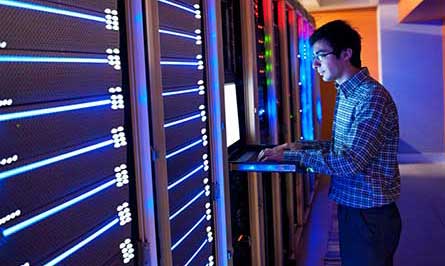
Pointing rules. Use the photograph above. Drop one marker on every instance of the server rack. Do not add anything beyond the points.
(68, 174)
(185, 76)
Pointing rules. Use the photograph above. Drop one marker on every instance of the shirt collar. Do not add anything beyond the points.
(348, 87)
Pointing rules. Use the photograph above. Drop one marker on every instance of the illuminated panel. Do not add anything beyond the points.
(20, 226)
(183, 66)
(62, 112)
(306, 79)
(42, 8)
(256, 167)
(81, 244)
(231, 109)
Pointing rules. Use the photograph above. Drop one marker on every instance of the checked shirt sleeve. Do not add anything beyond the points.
(367, 138)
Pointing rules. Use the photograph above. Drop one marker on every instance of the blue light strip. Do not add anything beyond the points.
(196, 253)
(180, 150)
(81, 244)
(48, 59)
(178, 6)
(52, 110)
(50, 10)
(185, 177)
(179, 34)
(20, 226)
(188, 233)
(52, 160)
(257, 167)
(216, 75)
(181, 120)
(178, 63)
(186, 205)
(180, 92)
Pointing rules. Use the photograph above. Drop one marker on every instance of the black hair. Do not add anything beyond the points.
(340, 36)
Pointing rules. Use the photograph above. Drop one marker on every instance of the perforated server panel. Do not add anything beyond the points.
(186, 132)
(64, 178)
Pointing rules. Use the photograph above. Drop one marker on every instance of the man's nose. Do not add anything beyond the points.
(315, 63)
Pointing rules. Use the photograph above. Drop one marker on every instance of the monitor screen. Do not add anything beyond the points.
(231, 111)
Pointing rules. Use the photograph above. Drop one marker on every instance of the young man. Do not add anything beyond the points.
(362, 158)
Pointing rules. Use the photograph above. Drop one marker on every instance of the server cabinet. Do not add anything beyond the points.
(187, 136)
(65, 172)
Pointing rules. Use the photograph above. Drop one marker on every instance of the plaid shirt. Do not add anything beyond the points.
(362, 159)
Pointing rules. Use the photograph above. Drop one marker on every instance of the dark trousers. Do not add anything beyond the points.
(368, 237)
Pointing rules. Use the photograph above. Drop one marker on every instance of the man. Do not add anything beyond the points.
(362, 158)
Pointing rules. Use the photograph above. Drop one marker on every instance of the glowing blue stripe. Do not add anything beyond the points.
(257, 167)
(179, 63)
(20, 226)
(186, 205)
(180, 92)
(52, 110)
(178, 6)
(47, 59)
(81, 244)
(179, 34)
(188, 233)
(196, 253)
(185, 177)
(182, 120)
(50, 10)
(215, 65)
(182, 149)
(52, 160)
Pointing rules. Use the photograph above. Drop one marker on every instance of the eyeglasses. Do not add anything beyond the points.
(321, 56)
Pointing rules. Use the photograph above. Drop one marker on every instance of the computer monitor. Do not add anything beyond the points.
(231, 111)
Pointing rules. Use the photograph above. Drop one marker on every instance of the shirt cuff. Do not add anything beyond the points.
(293, 156)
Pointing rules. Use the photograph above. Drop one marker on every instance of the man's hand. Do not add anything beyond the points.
(274, 154)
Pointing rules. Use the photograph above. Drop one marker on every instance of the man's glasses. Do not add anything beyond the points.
(320, 56)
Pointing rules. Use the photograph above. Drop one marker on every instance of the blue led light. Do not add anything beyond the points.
(52, 160)
(180, 63)
(178, 6)
(179, 34)
(48, 59)
(186, 205)
(185, 177)
(188, 233)
(180, 92)
(182, 149)
(182, 120)
(52, 110)
(196, 253)
(50, 10)
(261, 112)
(20, 226)
(81, 244)
(256, 167)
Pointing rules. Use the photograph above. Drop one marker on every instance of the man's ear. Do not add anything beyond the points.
(346, 54)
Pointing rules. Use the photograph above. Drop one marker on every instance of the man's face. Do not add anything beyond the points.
(325, 62)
